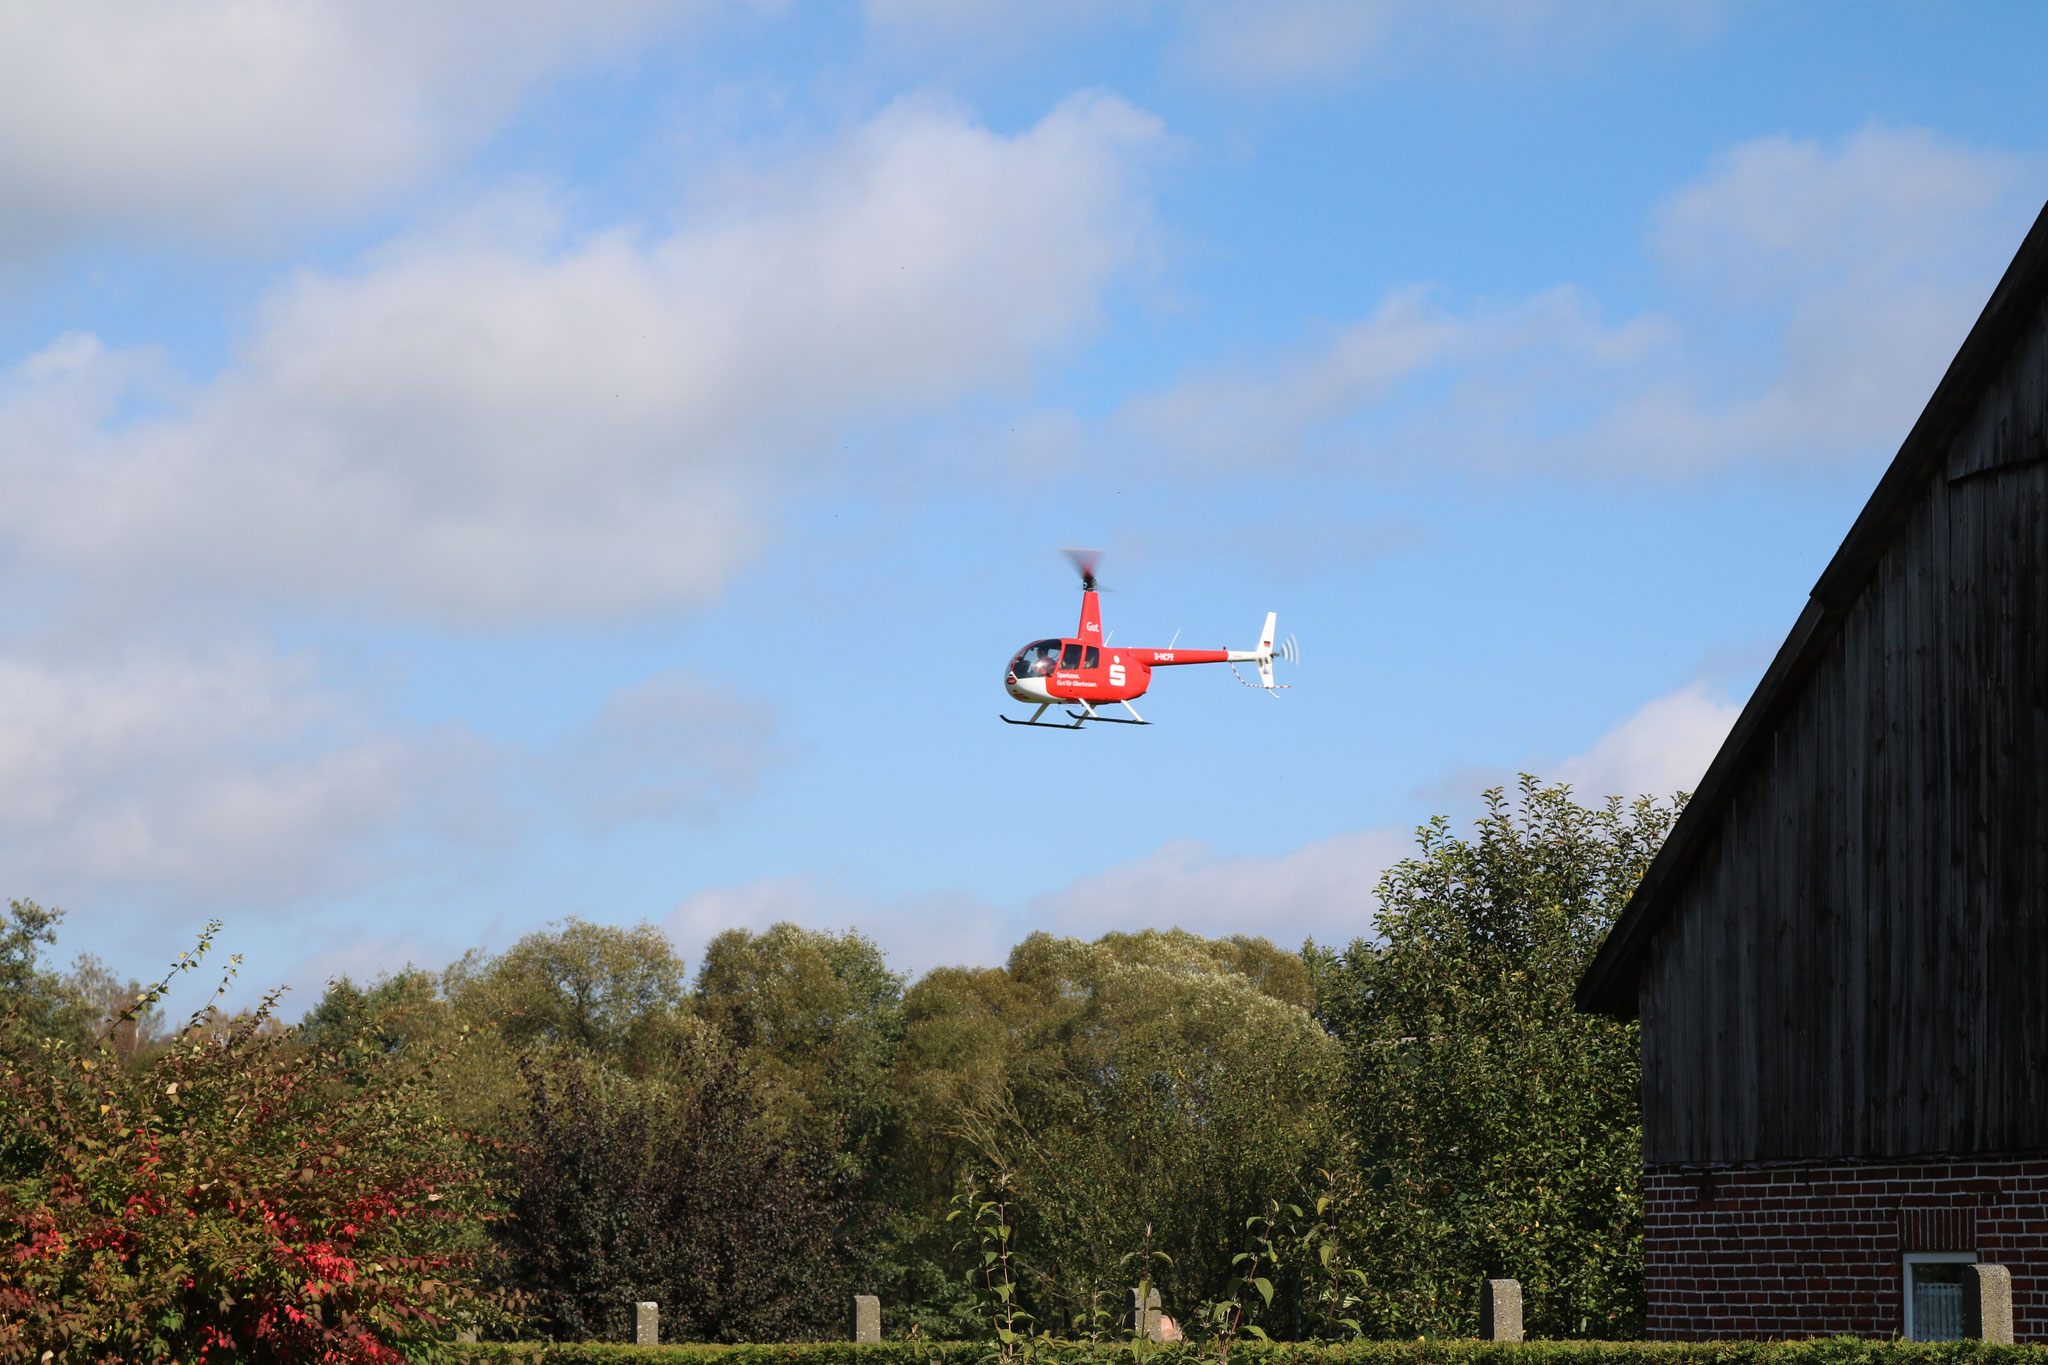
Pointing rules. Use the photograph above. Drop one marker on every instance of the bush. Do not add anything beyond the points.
(228, 1198)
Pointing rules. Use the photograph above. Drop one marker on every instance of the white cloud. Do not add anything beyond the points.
(1286, 41)
(1373, 391)
(222, 117)
(223, 777)
(1663, 748)
(228, 776)
(1887, 203)
(674, 746)
(1863, 265)
(995, 27)
(1322, 890)
(1285, 44)
(497, 421)
(1818, 294)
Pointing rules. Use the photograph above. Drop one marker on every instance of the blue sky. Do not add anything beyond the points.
(471, 465)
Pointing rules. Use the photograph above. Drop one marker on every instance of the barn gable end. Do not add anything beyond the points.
(1838, 951)
(1840, 955)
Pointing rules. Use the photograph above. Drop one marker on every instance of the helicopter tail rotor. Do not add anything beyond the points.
(1262, 657)
(1270, 649)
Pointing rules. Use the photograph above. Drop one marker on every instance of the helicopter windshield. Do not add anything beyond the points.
(1036, 660)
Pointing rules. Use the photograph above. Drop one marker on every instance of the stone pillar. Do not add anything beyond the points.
(646, 1324)
(867, 1318)
(1145, 1322)
(1500, 1311)
(1987, 1303)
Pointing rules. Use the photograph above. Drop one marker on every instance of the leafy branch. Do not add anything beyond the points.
(985, 1205)
(1253, 1269)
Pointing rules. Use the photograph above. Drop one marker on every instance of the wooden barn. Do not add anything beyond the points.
(1840, 956)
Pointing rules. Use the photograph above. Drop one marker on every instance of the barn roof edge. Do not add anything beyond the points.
(1610, 983)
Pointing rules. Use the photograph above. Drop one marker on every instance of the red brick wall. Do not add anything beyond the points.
(1793, 1251)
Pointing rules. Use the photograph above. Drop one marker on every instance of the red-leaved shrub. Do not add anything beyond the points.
(230, 1197)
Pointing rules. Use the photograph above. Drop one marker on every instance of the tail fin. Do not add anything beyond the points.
(1265, 659)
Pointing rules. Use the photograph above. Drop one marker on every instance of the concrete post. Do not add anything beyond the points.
(646, 1324)
(1146, 1323)
(867, 1318)
(1987, 1303)
(1500, 1311)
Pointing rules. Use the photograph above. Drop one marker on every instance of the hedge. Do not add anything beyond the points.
(1816, 1351)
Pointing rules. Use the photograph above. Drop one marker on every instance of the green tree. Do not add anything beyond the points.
(79, 1005)
(32, 999)
(1497, 1130)
(961, 1027)
(674, 1188)
(610, 992)
(817, 1015)
(388, 1020)
(1153, 1088)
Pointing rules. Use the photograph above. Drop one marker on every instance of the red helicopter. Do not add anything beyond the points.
(1088, 672)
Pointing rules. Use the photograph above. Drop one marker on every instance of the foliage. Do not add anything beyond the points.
(224, 1199)
(78, 1005)
(30, 997)
(609, 994)
(1224, 1319)
(819, 1012)
(992, 1271)
(1150, 1094)
(1328, 1284)
(1497, 1129)
(607, 991)
(588, 1047)
(1428, 1351)
(817, 1017)
(1295, 1145)
(670, 1189)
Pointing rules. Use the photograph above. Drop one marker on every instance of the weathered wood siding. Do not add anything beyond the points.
(1858, 965)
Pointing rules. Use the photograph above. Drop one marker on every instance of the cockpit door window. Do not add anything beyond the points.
(1036, 660)
(1092, 659)
(1070, 658)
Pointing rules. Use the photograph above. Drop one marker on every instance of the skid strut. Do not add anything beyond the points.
(1081, 717)
(1088, 713)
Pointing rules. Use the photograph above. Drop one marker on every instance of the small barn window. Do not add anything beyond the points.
(1934, 1294)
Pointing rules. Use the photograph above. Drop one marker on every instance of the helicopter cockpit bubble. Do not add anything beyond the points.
(1036, 660)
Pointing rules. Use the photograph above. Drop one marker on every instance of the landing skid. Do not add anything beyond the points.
(1081, 718)
(1037, 724)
